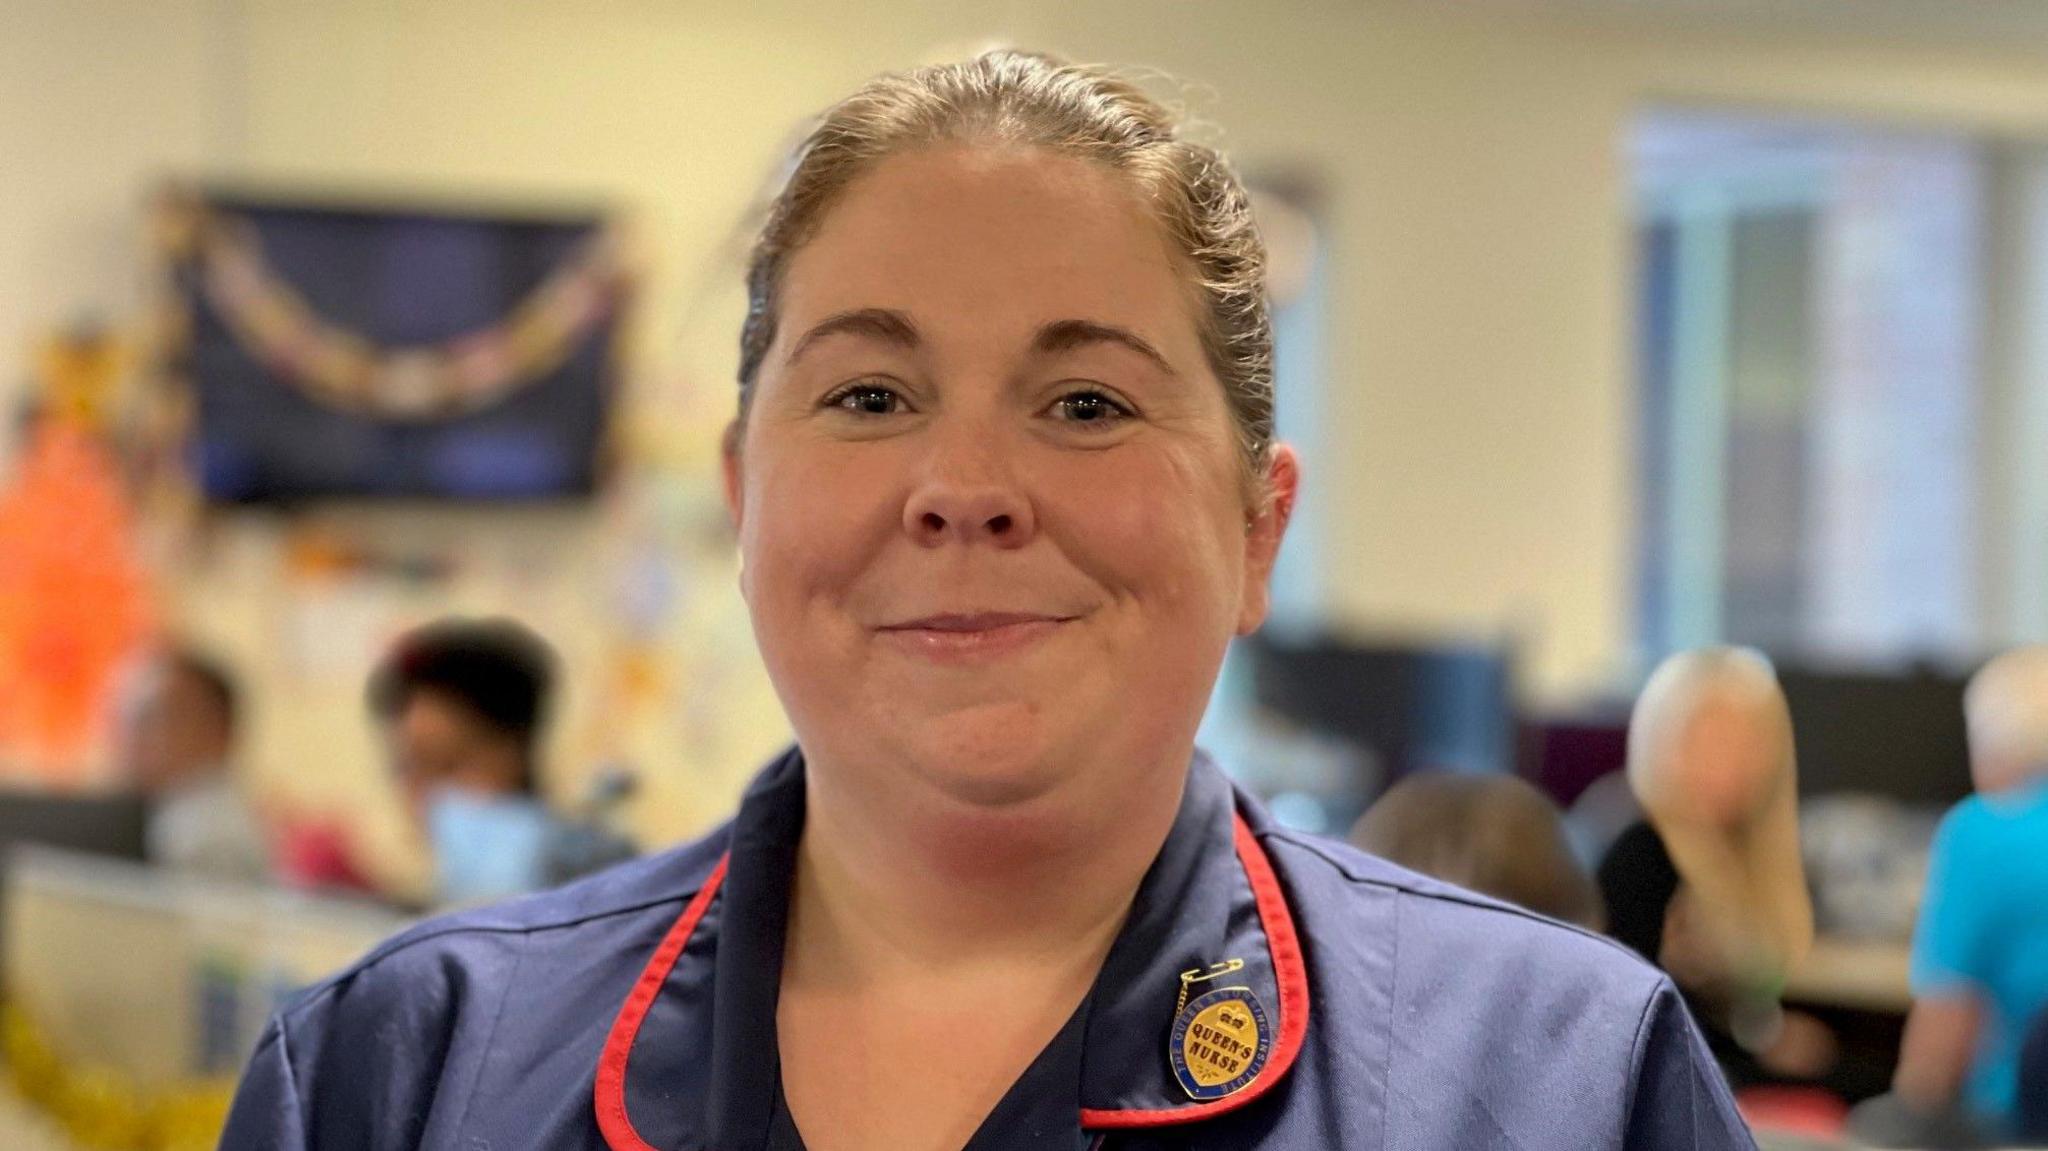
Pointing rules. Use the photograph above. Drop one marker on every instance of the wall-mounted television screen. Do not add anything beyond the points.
(393, 353)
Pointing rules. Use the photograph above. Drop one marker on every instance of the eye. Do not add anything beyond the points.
(866, 398)
(1089, 406)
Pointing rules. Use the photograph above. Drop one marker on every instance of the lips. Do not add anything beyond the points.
(957, 637)
(973, 621)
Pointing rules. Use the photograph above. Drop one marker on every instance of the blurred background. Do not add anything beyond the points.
(1607, 328)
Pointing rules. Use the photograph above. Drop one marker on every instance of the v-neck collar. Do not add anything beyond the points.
(692, 1062)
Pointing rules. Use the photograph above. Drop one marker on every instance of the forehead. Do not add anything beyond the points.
(993, 240)
(432, 714)
(173, 688)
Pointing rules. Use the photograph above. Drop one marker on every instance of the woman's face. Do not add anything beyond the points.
(1730, 755)
(993, 522)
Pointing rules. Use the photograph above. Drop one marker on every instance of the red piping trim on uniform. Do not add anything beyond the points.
(611, 1067)
(1289, 972)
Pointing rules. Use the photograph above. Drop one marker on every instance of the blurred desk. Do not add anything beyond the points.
(163, 978)
(1855, 974)
(135, 995)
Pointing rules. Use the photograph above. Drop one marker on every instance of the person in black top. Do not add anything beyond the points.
(1709, 885)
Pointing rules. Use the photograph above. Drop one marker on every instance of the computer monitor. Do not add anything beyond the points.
(1895, 734)
(114, 825)
(1447, 707)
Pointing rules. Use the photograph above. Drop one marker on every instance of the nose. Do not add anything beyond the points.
(968, 494)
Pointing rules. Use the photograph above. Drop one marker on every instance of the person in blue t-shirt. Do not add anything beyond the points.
(1980, 954)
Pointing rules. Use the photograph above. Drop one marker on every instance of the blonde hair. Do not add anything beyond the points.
(2006, 707)
(1748, 882)
(1033, 100)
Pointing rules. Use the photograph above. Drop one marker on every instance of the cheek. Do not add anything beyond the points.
(1157, 525)
(811, 521)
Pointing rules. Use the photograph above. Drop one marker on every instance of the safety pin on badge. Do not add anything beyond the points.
(1221, 1038)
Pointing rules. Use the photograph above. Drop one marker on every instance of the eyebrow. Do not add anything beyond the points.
(1067, 335)
(882, 324)
(893, 327)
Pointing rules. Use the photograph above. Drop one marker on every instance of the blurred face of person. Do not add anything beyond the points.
(1996, 767)
(437, 741)
(1724, 759)
(1994, 774)
(995, 529)
(2006, 708)
(176, 734)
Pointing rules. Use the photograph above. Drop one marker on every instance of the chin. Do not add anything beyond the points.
(992, 757)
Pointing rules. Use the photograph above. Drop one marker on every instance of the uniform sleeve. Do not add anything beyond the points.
(1680, 1099)
(1948, 942)
(268, 1114)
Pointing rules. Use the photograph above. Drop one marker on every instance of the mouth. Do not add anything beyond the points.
(956, 637)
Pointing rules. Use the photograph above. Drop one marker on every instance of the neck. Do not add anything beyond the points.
(907, 879)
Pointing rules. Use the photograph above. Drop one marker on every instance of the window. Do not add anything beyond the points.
(1841, 374)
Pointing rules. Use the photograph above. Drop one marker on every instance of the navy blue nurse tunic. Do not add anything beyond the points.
(1368, 1009)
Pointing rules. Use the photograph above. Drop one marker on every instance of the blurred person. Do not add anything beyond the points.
(1710, 886)
(1980, 951)
(176, 747)
(1005, 485)
(462, 704)
(1494, 834)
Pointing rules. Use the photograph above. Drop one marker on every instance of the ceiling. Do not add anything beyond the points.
(2011, 24)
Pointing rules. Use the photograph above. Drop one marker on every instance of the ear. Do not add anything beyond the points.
(1264, 530)
(729, 460)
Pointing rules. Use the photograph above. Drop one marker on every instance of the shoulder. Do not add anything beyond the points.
(2023, 812)
(441, 964)
(1637, 846)
(1970, 809)
(1343, 886)
(394, 1048)
(1448, 960)
(1964, 831)
(1497, 1014)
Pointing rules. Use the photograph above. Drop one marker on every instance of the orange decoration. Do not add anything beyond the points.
(74, 603)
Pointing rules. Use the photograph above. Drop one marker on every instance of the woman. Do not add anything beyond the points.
(1710, 885)
(1711, 761)
(1005, 487)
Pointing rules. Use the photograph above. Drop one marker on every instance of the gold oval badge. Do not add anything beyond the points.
(1220, 1042)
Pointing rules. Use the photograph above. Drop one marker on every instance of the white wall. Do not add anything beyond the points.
(96, 102)
(1479, 465)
